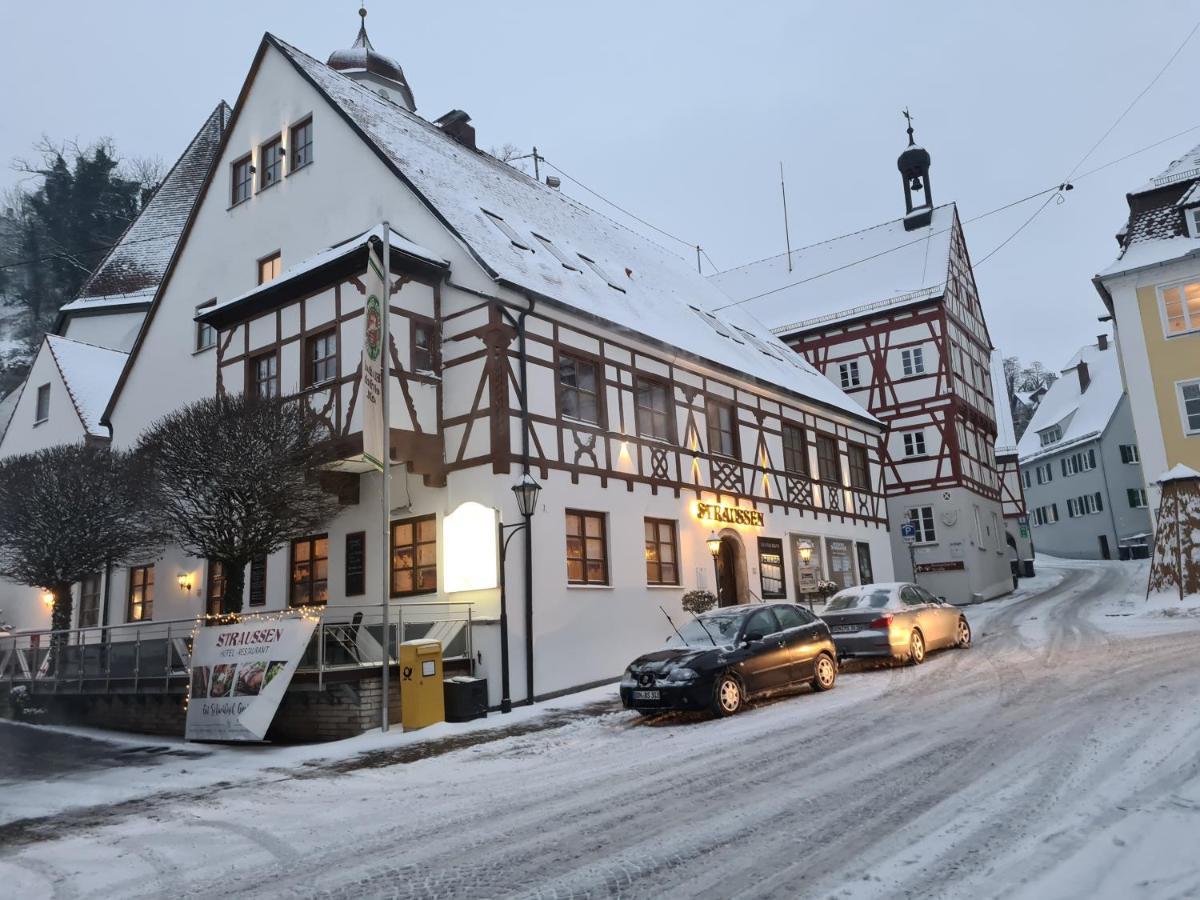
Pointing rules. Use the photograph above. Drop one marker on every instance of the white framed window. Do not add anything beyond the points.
(1027, 478)
(1136, 497)
(42, 412)
(1045, 473)
(914, 443)
(913, 361)
(997, 532)
(1050, 435)
(1189, 406)
(848, 372)
(1130, 453)
(922, 517)
(206, 335)
(1193, 221)
(1179, 307)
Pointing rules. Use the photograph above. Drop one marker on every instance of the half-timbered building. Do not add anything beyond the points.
(891, 315)
(529, 334)
(1008, 470)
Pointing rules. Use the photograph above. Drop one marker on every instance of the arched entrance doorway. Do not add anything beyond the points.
(732, 582)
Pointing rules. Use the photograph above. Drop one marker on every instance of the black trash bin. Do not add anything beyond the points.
(466, 698)
(1123, 553)
(1141, 551)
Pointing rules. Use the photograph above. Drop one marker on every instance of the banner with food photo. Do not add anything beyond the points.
(239, 674)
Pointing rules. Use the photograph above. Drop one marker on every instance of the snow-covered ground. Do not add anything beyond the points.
(1056, 758)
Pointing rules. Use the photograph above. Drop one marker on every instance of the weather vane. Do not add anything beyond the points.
(908, 116)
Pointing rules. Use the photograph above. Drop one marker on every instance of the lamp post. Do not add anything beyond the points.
(714, 548)
(805, 549)
(526, 491)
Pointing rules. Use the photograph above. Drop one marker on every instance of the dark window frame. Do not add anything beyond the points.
(643, 412)
(584, 515)
(772, 546)
(433, 350)
(295, 145)
(90, 592)
(41, 411)
(277, 256)
(206, 335)
(716, 404)
(415, 565)
(562, 389)
(311, 362)
(215, 582)
(145, 605)
(792, 453)
(254, 383)
(860, 474)
(241, 180)
(658, 543)
(270, 166)
(311, 561)
(821, 441)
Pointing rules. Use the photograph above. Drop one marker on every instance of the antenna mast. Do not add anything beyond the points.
(787, 236)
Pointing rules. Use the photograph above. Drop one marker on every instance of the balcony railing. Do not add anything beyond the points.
(153, 657)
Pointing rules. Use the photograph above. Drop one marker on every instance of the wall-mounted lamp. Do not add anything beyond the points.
(48, 599)
(714, 545)
(185, 582)
(805, 549)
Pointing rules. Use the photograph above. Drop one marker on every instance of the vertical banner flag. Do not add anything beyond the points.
(240, 672)
(374, 438)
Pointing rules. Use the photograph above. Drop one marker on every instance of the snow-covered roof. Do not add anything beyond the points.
(8, 406)
(118, 301)
(90, 374)
(339, 251)
(538, 239)
(1083, 416)
(1006, 433)
(1179, 472)
(137, 262)
(1152, 252)
(1185, 168)
(876, 268)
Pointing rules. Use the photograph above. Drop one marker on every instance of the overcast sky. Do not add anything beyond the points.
(682, 111)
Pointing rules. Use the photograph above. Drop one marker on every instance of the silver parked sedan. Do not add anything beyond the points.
(898, 620)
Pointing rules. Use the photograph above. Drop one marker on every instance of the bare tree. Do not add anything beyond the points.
(512, 155)
(236, 478)
(66, 513)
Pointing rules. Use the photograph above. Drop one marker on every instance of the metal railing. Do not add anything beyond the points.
(144, 657)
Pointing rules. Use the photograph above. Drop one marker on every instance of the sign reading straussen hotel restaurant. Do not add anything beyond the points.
(239, 674)
(729, 515)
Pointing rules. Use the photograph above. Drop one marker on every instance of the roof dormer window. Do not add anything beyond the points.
(591, 264)
(556, 253)
(1051, 435)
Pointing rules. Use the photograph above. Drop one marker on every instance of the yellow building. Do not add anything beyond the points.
(1152, 292)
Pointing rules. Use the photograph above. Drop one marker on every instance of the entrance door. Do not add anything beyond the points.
(727, 592)
(1105, 553)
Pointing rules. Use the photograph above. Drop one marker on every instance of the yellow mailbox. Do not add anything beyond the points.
(422, 701)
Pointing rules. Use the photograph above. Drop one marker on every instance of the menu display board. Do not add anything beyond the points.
(356, 564)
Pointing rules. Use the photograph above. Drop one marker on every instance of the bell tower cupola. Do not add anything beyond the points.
(380, 73)
(914, 173)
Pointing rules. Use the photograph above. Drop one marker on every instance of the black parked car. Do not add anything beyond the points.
(723, 657)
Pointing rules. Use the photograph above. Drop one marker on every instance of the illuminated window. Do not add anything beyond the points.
(243, 178)
(141, 594)
(578, 389)
(654, 418)
(310, 571)
(1180, 308)
(721, 419)
(322, 357)
(662, 553)
(587, 548)
(268, 268)
(414, 556)
(301, 143)
(270, 162)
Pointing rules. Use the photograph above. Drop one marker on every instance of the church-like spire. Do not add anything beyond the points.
(914, 173)
(364, 64)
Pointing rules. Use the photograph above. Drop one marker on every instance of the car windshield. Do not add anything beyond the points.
(858, 600)
(723, 627)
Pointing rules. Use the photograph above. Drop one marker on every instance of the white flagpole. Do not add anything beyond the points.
(386, 492)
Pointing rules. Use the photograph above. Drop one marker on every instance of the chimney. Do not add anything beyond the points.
(1085, 377)
(457, 124)
(1102, 341)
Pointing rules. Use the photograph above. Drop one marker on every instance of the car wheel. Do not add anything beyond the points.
(727, 696)
(916, 648)
(963, 639)
(825, 673)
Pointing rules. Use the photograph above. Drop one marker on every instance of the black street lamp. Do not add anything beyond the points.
(714, 548)
(526, 490)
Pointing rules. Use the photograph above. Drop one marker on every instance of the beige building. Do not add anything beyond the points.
(1152, 291)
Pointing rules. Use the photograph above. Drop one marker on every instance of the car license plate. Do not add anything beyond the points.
(843, 629)
(645, 695)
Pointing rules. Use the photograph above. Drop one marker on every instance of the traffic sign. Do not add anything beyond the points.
(908, 531)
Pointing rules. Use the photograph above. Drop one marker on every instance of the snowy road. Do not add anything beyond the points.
(1060, 757)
